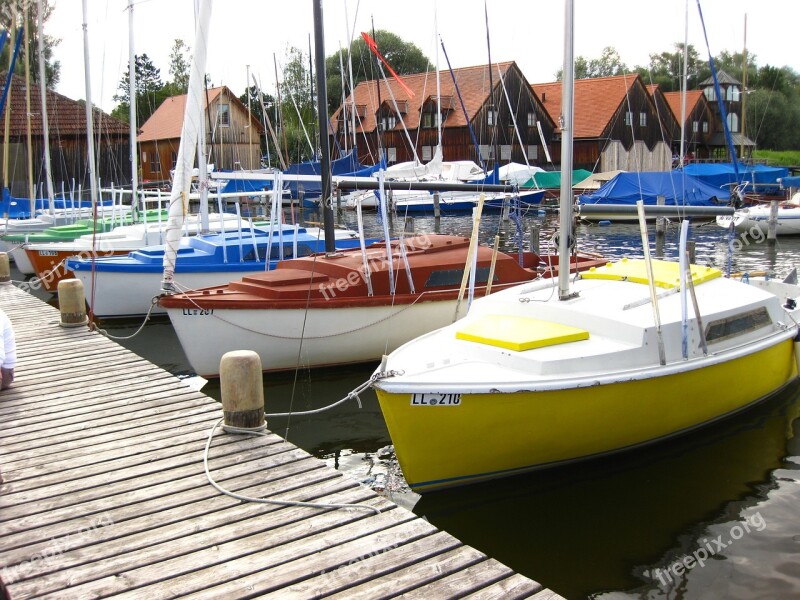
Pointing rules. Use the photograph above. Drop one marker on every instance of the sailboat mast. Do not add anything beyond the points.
(567, 110)
(89, 116)
(744, 84)
(322, 108)
(43, 92)
(7, 125)
(26, 34)
(684, 81)
(492, 106)
(132, 113)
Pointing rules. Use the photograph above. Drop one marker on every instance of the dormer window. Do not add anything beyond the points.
(491, 117)
(709, 94)
(733, 94)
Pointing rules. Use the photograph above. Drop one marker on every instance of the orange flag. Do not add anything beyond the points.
(374, 47)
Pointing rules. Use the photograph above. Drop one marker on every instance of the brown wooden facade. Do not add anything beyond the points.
(232, 136)
(698, 128)
(417, 111)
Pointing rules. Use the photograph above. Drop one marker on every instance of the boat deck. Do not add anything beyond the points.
(103, 493)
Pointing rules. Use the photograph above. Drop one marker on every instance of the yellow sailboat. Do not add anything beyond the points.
(622, 356)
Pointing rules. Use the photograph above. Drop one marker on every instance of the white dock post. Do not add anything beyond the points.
(242, 390)
(5, 268)
(772, 224)
(72, 303)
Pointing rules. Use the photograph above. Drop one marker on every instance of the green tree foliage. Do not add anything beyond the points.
(666, 69)
(297, 106)
(11, 12)
(257, 101)
(179, 64)
(150, 91)
(404, 57)
(608, 65)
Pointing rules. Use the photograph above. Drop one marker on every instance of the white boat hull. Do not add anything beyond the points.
(340, 336)
(755, 220)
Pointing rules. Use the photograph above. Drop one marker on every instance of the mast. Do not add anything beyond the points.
(26, 34)
(322, 104)
(7, 126)
(684, 81)
(744, 84)
(351, 81)
(492, 106)
(202, 157)
(132, 113)
(567, 110)
(43, 92)
(89, 116)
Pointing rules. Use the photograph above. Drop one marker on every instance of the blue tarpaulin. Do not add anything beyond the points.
(677, 189)
(764, 178)
(793, 181)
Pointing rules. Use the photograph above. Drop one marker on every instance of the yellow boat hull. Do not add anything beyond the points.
(494, 435)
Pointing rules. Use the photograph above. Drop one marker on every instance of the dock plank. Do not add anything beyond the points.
(103, 492)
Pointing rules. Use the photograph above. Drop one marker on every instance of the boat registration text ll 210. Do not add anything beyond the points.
(435, 399)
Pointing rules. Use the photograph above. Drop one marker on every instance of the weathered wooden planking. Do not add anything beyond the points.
(103, 493)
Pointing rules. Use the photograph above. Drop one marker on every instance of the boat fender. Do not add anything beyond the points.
(791, 304)
(604, 222)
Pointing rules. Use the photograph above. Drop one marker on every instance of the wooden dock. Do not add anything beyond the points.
(103, 493)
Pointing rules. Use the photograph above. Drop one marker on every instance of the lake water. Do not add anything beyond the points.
(723, 500)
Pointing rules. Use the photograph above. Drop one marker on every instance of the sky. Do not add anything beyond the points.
(256, 33)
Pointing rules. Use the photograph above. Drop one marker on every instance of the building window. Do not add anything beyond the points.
(388, 122)
(391, 155)
(491, 117)
(427, 120)
(174, 160)
(733, 122)
(531, 119)
(224, 115)
(629, 118)
(695, 126)
(732, 94)
(705, 126)
(533, 152)
(505, 152)
(709, 94)
(487, 152)
(155, 162)
(427, 152)
(642, 119)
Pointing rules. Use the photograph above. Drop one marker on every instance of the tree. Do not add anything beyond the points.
(666, 68)
(297, 106)
(609, 64)
(9, 13)
(150, 91)
(179, 66)
(406, 59)
(257, 100)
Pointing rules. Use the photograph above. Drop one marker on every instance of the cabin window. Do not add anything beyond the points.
(224, 115)
(733, 94)
(705, 126)
(709, 94)
(695, 126)
(155, 162)
(531, 119)
(491, 117)
(730, 327)
(642, 119)
(629, 118)
(533, 152)
(733, 122)
(453, 277)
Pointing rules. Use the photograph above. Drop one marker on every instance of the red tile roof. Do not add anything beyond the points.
(473, 83)
(674, 101)
(596, 102)
(65, 117)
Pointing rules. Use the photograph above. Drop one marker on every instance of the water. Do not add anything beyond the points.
(607, 528)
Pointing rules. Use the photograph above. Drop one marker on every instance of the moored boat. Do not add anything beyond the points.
(341, 308)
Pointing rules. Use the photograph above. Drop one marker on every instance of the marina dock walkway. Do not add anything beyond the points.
(103, 493)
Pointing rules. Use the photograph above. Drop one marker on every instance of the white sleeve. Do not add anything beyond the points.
(9, 358)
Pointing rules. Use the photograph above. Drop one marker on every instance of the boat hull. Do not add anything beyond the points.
(356, 335)
(492, 435)
(50, 265)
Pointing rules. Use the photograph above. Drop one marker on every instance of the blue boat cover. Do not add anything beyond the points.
(724, 175)
(793, 181)
(677, 188)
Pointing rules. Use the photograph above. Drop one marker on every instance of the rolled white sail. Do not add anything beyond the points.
(193, 115)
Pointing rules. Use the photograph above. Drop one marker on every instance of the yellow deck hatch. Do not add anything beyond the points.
(519, 333)
(665, 273)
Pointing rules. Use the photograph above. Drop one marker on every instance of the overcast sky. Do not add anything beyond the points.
(530, 32)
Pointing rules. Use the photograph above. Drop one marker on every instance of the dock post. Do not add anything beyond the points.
(691, 247)
(772, 224)
(535, 231)
(436, 210)
(661, 222)
(5, 268)
(409, 225)
(242, 390)
(72, 303)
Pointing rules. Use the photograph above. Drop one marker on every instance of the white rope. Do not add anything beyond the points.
(276, 502)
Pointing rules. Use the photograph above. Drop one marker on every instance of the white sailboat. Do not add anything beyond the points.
(755, 219)
(531, 378)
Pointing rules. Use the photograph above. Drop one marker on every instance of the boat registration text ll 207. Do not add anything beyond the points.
(435, 399)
